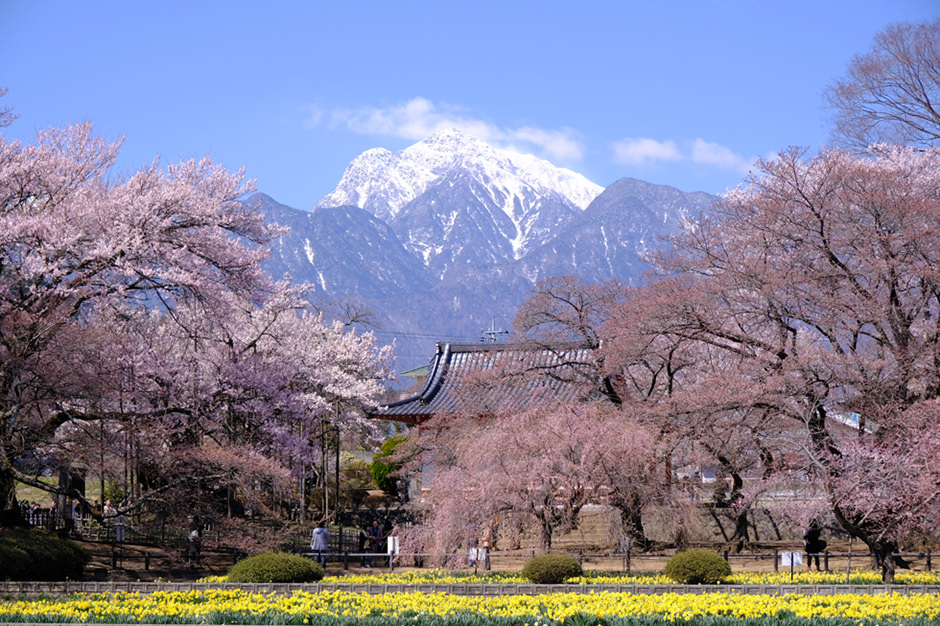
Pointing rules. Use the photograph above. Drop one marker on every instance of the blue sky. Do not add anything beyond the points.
(678, 92)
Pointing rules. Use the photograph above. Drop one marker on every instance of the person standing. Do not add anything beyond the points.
(376, 535)
(813, 544)
(195, 540)
(320, 543)
(364, 561)
(486, 543)
(120, 527)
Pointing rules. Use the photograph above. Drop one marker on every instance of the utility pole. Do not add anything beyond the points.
(336, 499)
(492, 335)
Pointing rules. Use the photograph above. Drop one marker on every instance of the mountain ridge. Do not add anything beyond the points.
(449, 236)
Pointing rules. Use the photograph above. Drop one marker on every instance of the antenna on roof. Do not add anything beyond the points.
(492, 335)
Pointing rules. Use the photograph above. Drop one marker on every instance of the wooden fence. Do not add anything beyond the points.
(638, 562)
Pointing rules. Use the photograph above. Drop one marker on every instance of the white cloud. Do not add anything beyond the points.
(708, 153)
(419, 118)
(643, 150)
(415, 119)
(561, 144)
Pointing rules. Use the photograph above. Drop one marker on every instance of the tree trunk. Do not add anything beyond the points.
(546, 535)
(883, 552)
(9, 507)
(631, 522)
(740, 537)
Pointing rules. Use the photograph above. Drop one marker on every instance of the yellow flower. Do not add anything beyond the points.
(195, 606)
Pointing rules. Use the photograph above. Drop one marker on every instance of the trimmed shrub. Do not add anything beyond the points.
(37, 555)
(276, 567)
(697, 567)
(551, 569)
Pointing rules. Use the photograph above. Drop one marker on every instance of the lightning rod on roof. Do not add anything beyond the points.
(492, 335)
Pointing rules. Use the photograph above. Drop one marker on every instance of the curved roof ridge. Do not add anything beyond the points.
(451, 360)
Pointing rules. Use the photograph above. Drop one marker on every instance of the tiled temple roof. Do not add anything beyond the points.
(529, 373)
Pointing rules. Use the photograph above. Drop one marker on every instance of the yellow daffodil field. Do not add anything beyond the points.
(590, 608)
(445, 577)
(215, 606)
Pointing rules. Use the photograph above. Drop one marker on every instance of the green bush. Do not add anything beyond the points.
(27, 554)
(551, 569)
(276, 567)
(697, 567)
(383, 467)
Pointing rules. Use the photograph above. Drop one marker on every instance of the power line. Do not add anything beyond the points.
(419, 335)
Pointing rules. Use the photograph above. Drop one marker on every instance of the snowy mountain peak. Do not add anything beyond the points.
(383, 183)
(450, 141)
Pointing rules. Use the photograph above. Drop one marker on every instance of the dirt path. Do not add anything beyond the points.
(121, 563)
(130, 563)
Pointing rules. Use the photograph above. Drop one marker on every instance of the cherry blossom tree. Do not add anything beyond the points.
(134, 310)
(533, 470)
(705, 416)
(6, 113)
(251, 386)
(818, 282)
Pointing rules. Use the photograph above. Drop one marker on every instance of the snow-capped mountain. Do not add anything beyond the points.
(452, 189)
(442, 239)
(383, 182)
